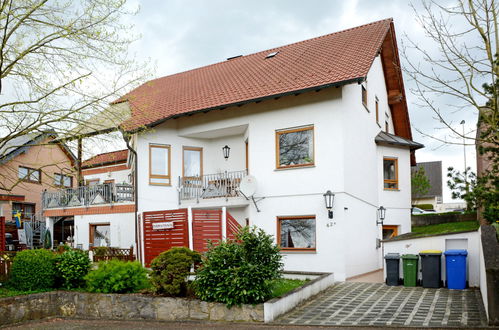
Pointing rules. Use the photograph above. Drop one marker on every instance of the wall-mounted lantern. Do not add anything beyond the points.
(329, 200)
(381, 215)
(226, 152)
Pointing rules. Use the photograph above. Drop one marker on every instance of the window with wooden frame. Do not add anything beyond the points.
(28, 174)
(61, 180)
(296, 233)
(27, 210)
(92, 182)
(159, 164)
(389, 231)
(100, 235)
(376, 102)
(192, 159)
(390, 174)
(364, 96)
(295, 147)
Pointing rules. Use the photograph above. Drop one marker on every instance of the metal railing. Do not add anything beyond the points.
(224, 184)
(88, 195)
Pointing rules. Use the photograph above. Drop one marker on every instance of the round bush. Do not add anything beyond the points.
(72, 266)
(33, 269)
(170, 271)
(117, 276)
(240, 271)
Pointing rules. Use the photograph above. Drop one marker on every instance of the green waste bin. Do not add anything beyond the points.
(410, 267)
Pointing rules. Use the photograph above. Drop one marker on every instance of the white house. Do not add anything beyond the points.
(261, 138)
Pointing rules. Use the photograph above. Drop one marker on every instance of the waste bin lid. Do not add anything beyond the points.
(392, 256)
(410, 256)
(456, 253)
(430, 252)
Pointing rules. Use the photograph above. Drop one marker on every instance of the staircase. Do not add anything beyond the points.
(35, 231)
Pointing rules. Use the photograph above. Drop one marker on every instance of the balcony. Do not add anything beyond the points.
(211, 186)
(106, 193)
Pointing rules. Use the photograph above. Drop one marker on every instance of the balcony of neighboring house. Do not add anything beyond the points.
(213, 167)
(88, 196)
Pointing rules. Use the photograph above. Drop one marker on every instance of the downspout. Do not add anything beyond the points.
(126, 137)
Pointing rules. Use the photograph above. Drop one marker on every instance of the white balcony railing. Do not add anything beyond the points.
(224, 184)
(88, 195)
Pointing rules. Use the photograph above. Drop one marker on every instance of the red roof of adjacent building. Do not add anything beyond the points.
(334, 59)
(108, 158)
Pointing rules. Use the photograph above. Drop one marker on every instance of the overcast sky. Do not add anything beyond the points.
(179, 35)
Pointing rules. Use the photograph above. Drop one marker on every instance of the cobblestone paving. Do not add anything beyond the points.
(376, 304)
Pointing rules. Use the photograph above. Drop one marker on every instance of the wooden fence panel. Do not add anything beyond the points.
(232, 227)
(206, 225)
(2, 233)
(159, 240)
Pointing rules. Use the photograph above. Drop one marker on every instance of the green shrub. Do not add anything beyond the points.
(425, 206)
(33, 270)
(170, 271)
(117, 276)
(240, 271)
(72, 266)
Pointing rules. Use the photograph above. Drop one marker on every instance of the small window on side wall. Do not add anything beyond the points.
(364, 95)
(377, 109)
(159, 165)
(296, 233)
(295, 147)
(390, 174)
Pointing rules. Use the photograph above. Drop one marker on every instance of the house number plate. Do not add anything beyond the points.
(162, 225)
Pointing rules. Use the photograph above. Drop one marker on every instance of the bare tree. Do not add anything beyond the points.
(61, 64)
(460, 73)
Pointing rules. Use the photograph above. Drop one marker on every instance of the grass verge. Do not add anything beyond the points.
(444, 228)
(283, 286)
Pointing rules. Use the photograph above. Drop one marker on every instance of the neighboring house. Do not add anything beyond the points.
(433, 171)
(325, 114)
(100, 213)
(30, 164)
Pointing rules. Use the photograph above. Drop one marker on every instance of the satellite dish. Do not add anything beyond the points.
(248, 186)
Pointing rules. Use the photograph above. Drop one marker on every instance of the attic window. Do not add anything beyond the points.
(270, 55)
(233, 57)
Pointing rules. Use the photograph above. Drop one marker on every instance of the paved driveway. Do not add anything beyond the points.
(368, 304)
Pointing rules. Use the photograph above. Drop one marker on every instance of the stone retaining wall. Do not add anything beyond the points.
(120, 307)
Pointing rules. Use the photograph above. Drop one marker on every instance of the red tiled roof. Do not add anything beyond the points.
(335, 58)
(113, 157)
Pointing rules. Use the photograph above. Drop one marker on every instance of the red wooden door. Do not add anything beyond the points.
(206, 225)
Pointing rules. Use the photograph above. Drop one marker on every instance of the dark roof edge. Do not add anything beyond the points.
(19, 149)
(258, 99)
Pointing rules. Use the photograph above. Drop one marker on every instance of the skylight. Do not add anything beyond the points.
(271, 54)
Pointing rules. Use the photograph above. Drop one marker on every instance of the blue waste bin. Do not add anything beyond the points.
(455, 264)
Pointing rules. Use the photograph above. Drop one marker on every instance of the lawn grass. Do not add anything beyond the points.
(283, 285)
(444, 228)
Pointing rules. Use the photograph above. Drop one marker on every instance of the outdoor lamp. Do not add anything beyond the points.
(226, 151)
(381, 215)
(329, 200)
